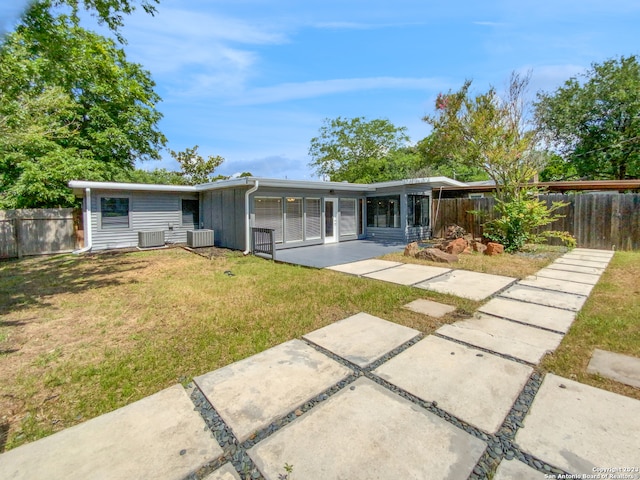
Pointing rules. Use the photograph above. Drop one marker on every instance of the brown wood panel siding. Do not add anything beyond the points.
(606, 221)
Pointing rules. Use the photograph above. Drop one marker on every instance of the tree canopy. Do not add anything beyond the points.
(361, 151)
(71, 107)
(593, 122)
(195, 168)
(487, 132)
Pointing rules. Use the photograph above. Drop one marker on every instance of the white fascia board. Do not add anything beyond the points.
(79, 185)
(283, 183)
(430, 181)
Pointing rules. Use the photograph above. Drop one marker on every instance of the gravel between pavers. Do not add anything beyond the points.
(500, 445)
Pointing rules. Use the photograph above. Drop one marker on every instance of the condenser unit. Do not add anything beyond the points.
(151, 239)
(200, 238)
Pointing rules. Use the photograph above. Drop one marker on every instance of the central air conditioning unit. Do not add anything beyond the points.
(200, 238)
(151, 239)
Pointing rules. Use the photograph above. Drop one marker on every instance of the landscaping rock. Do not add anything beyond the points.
(411, 250)
(456, 246)
(467, 251)
(494, 249)
(435, 255)
(478, 246)
(454, 231)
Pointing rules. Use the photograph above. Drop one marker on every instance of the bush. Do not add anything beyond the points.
(519, 222)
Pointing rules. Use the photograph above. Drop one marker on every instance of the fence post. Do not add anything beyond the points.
(17, 231)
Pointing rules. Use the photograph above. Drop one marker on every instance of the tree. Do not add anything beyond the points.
(593, 122)
(434, 163)
(70, 108)
(488, 132)
(196, 169)
(361, 151)
(159, 176)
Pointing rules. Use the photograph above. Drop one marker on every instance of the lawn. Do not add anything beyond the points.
(609, 320)
(81, 336)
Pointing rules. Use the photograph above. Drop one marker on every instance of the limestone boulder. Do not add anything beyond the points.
(457, 246)
(435, 255)
(411, 250)
(494, 249)
(478, 247)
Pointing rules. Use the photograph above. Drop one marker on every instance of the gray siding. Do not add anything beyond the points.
(148, 211)
(405, 233)
(223, 212)
(306, 193)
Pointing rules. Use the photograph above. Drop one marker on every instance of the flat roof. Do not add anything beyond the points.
(79, 186)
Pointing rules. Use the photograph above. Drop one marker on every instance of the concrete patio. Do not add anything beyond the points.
(367, 398)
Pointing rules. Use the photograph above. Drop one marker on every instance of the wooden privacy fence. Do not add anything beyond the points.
(37, 231)
(606, 221)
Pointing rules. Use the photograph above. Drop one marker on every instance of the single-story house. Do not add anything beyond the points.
(299, 212)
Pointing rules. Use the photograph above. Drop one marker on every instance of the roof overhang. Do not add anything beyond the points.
(79, 186)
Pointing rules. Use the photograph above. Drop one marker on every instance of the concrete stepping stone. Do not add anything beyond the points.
(537, 315)
(557, 285)
(587, 258)
(621, 368)
(548, 298)
(160, 436)
(503, 336)
(462, 283)
(427, 307)
(363, 432)
(475, 386)
(363, 267)
(585, 263)
(516, 470)
(362, 338)
(594, 252)
(580, 428)
(252, 393)
(408, 274)
(576, 268)
(226, 472)
(570, 276)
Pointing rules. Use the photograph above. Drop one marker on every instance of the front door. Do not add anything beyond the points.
(330, 220)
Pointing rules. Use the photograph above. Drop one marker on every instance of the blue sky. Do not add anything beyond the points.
(252, 80)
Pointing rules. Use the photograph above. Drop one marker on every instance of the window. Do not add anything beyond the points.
(313, 214)
(268, 214)
(347, 216)
(114, 212)
(293, 232)
(190, 213)
(383, 212)
(418, 210)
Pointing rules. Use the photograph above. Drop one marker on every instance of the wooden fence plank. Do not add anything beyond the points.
(604, 221)
(36, 231)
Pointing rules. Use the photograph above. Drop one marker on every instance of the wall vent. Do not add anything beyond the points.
(151, 239)
(200, 238)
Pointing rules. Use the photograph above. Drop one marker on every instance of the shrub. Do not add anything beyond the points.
(519, 221)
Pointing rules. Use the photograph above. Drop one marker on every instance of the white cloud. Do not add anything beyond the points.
(296, 91)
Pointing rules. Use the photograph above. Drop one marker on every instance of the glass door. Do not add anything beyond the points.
(330, 220)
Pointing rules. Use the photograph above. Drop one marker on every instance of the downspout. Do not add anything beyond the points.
(86, 218)
(247, 220)
(438, 207)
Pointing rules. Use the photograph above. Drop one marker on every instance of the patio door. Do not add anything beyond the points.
(330, 220)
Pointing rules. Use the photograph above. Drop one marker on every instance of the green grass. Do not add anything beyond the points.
(89, 335)
(86, 335)
(610, 320)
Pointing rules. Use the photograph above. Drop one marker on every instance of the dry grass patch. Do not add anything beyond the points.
(610, 320)
(517, 265)
(81, 336)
